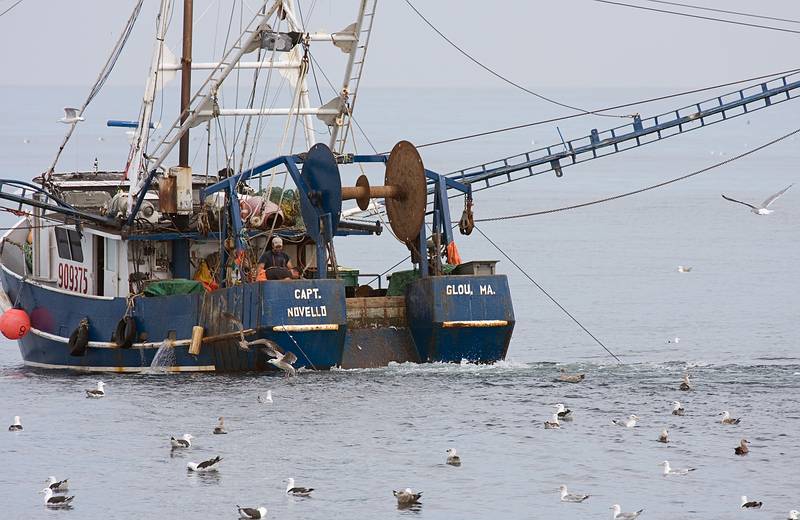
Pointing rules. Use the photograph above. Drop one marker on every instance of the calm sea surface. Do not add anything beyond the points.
(356, 435)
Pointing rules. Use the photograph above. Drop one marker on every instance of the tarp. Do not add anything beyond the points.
(171, 287)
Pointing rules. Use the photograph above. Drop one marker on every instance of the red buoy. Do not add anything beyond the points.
(15, 323)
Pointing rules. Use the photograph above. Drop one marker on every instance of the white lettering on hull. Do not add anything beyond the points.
(307, 312)
(460, 289)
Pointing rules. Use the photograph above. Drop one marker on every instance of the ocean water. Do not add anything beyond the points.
(356, 435)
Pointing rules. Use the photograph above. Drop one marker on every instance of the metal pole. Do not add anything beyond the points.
(186, 80)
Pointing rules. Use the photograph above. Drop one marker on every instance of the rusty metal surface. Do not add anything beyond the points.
(168, 194)
(377, 347)
(405, 171)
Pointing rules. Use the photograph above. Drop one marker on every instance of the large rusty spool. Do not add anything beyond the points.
(404, 191)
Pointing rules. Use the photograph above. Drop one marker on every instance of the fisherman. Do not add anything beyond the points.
(275, 263)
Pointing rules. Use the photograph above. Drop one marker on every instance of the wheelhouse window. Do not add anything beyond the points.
(68, 242)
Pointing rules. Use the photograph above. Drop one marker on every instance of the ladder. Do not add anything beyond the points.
(205, 97)
(353, 74)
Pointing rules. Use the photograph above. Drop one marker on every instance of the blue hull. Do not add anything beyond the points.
(304, 317)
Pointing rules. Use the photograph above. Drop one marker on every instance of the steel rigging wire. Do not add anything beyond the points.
(624, 105)
(665, 11)
(737, 13)
(505, 79)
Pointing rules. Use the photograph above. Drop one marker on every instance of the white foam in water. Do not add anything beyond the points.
(164, 358)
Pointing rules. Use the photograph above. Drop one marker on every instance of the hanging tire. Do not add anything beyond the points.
(79, 339)
(125, 332)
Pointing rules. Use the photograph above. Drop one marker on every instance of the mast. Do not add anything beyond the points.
(186, 81)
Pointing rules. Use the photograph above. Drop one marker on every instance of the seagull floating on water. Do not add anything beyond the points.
(677, 409)
(684, 268)
(407, 497)
(220, 428)
(673, 340)
(617, 513)
(750, 504)
(296, 491)
(664, 437)
(552, 423)
(58, 486)
(762, 209)
(17, 426)
(727, 419)
(565, 414)
(630, 422)
(252, 513)
(564, 377)
(71, 116)
(742, 448)
(452, 458)
(267, 398)
(676, 471)
(207, 465)
(570, 497)
(182, 442)
(794, 515)
(685, 385)
(98, 392)
(55, 501)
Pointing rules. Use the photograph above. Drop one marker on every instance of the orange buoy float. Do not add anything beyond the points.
(15, 323)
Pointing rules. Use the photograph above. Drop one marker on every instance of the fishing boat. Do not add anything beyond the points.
(158, 264)
(118, 271)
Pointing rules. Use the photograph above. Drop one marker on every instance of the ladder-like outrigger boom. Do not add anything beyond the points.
(629, 136)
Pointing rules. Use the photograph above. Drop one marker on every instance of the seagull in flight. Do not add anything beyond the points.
(762, 209)
(71, 116)
(281, 360)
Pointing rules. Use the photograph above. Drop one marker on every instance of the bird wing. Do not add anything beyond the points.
(301, 490)
(208, 463)
(249, 511)
(739, 202)
(773, 198)
(265, 343)
(59, 500)
(70, 113)
(289, 358)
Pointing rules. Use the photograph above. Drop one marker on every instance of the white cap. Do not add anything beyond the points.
(277, 241)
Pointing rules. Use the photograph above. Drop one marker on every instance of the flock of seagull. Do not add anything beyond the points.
(563, 414)
(54, 496)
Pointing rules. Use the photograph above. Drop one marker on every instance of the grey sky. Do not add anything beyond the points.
(573, 43)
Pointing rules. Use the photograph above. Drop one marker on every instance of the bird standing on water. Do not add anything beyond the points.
(794, 515)
(564, 414)
(266, 399)
(55, 501)
(182, 442)
(727, 419)
(630, 422)
(97, 392)
(742, 448)
(58, 486)
(677, 409)
(617, 513)
(564, 377)
(219, 429)
(17, 426)
(553, 423)
(205, 466)
(252, 513)
(570, 497)
(685, 385)
(406, 497)
(761, 209)
(675, 471)
(750, 504)
(296, 491)
(452, 458)
(664, 436)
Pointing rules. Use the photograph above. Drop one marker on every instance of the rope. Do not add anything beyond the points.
(625, 105)
(548, 295)
(698, 16)
(503, 78)
(648, 188)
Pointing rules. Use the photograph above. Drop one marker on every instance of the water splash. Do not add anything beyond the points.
(164, 358)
